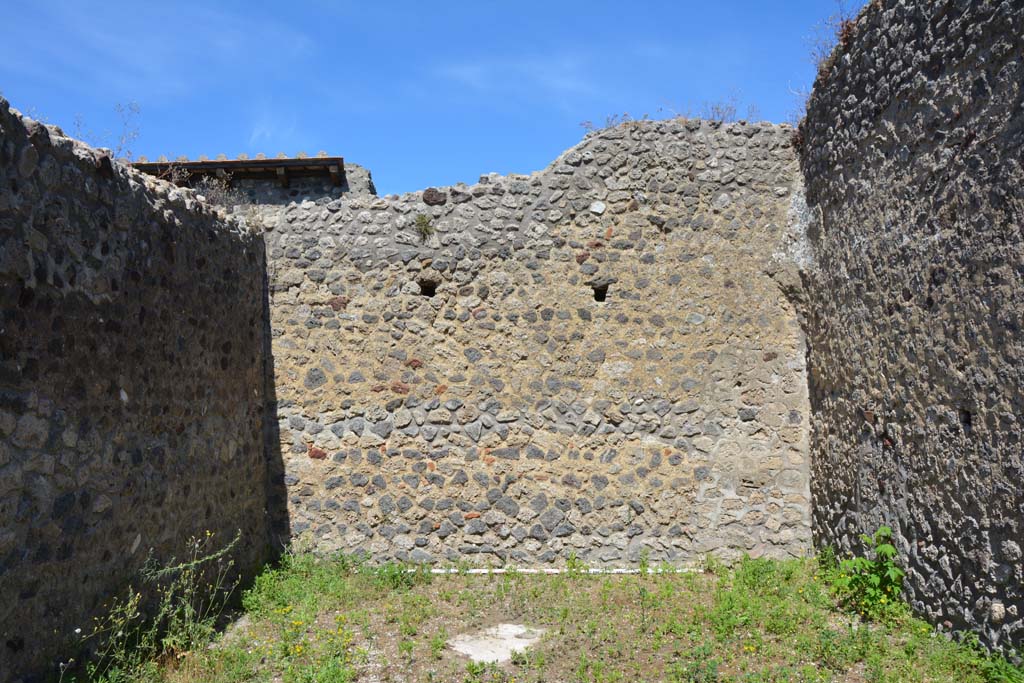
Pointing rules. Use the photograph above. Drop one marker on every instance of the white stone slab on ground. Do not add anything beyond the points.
(497, 643)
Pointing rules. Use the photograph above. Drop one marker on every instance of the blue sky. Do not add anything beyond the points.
(422, 93)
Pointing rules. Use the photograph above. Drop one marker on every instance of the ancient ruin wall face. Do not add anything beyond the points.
(356, 180)
(912, 160)
(131, 386)
(586, 360)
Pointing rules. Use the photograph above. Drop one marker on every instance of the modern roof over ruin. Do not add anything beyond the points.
(280, 169)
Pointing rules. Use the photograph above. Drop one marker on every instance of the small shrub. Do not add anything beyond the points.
(220, 191)
(871, 585)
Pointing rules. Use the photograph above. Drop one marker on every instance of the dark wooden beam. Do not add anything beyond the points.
(266, 169)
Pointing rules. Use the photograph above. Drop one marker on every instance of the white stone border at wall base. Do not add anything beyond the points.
(556, 570)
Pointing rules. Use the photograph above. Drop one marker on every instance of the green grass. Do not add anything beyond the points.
(334, 620)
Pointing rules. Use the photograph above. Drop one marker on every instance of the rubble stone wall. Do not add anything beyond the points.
(450, 387)
(132, 386)
(356, 180)
(912, 159)
(604, 359)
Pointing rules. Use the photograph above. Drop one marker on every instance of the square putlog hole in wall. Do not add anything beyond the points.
(600, 292)
(427, 287)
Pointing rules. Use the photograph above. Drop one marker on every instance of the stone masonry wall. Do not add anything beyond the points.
(912, 157)
(132, 329)
(452, 390)
(357, 180)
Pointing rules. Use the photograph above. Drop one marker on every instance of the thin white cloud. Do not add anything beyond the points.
(652, 50)
(270, 129)
(563, 75)
(144, 50)
(474, 76)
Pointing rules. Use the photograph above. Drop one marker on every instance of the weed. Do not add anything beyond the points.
(563, 618)
(702, 667)
(798, 138)
(423, 226)
(220, 191)
(320, 620)
(713, 565)
(331, 671)
(837, 28)
(298, 586)
(645, 605)
(870, 585)
(401, 576)
(575, 567)
(722, 110)
(438, 643)
(611, 121)
(120, 143)
(187, 600)
(475, 672)
(726, 110)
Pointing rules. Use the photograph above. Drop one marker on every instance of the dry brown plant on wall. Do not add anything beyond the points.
(723, 110)
(218, 191)
(726, 110)
(836, 29)
(120, 144)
